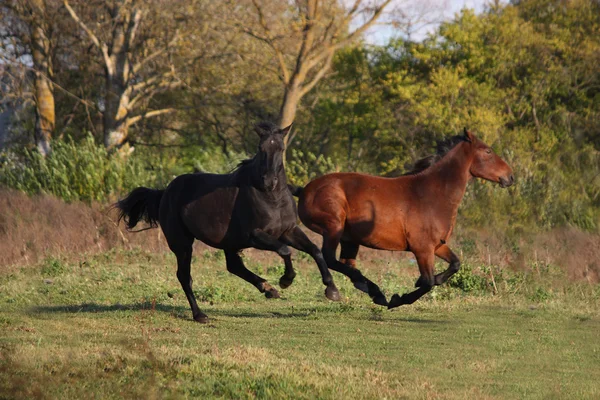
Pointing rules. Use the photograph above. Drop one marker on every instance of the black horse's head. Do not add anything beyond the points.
(269, 159)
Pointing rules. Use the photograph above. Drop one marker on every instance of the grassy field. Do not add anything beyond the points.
(117, 325)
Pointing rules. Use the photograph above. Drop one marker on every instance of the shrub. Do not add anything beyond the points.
(74, 171)
(468, 281)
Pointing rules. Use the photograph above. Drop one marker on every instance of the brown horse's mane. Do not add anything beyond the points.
(442, 148)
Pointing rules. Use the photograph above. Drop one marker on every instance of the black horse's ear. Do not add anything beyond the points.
(286, 130)
(468, 135)
(260, 131)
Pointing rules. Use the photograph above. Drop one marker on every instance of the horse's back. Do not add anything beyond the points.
(203, 204)
(367, 209)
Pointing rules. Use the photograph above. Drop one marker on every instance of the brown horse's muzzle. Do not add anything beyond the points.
(507, 181)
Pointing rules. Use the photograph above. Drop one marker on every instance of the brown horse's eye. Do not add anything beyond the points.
(489, 151)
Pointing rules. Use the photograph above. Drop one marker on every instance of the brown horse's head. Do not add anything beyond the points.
(487, 165)
(270, 155)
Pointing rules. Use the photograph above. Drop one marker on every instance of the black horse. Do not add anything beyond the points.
(250, 207)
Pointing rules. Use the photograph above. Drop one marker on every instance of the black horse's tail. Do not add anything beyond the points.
(295, 190)
(141, 204)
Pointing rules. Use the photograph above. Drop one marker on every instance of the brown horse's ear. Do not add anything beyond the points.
(284, 131)
(468, 135)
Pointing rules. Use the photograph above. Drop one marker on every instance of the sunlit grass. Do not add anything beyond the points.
(118, 325)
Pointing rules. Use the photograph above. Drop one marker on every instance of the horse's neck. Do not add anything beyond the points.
(448, 177)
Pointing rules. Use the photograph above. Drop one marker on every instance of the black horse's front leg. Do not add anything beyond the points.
(298, 240)
(262, 240)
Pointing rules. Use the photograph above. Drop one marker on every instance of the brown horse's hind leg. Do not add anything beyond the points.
(426, 263)
(447, 255)
(348, 253)
(236, 266)
(330, 244)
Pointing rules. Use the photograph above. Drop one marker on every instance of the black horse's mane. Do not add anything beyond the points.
(243, 163)
(442, 148)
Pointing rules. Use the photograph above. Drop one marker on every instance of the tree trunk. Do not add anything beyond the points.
(44, 96)
(116, 128)
(289, 106)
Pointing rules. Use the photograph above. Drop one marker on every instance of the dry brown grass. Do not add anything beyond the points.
(32, 228)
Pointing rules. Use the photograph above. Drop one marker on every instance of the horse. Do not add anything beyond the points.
(249, 207)
(415, 212)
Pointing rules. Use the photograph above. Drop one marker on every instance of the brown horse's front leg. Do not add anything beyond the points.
(426, 281)
(447, 255)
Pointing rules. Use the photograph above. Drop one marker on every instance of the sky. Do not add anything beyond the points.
(437, 10)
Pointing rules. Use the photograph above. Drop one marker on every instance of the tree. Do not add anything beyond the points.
(314, 32)
(28, 29)
(136, 41)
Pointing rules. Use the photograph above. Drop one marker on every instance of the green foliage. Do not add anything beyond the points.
(523, 77)
(74, 171)
(466, 280)
(52, 267)
(303, 167)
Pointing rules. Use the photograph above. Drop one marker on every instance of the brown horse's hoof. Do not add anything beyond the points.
(201, 318)
(285, 282)
(332, 293)
(395, 301)
(380, 300)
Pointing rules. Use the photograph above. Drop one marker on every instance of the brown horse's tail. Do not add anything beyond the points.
(141, 204)
(295, 190)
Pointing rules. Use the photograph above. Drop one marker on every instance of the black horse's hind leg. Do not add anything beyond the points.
(184, 261)
(236, 266)
(298, 240)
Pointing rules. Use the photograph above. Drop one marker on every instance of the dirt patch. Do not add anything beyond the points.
(32, 228)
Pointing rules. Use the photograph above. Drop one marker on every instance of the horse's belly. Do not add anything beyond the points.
(388, 236)
(209, 217)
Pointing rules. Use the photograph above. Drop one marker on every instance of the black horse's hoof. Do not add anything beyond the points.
(395, 301)
(272, 294)
(332, 293)
(201, 318)
(380, 300)
(285, 282)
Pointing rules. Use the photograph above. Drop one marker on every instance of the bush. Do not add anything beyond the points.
(304, 167)
(468, 281)
(74, 171)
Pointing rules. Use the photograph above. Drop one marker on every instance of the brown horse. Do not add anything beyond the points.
(415, 212)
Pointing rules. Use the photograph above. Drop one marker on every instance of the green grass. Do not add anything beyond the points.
(118, 325)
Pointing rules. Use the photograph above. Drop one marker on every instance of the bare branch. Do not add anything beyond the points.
(319, 75)
(101, 45)
(149, 114)
(270, 40)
